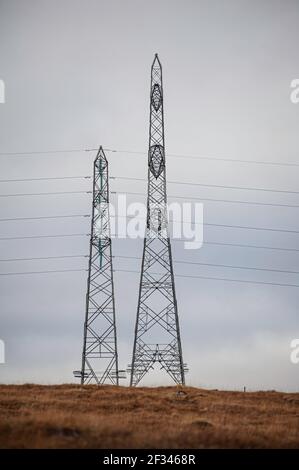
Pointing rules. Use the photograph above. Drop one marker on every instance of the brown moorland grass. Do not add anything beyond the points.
(74, 416)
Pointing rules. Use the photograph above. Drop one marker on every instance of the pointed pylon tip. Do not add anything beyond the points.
(156, 59)
(101, 153)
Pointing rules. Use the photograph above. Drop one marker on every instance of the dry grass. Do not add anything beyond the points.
(70, 416)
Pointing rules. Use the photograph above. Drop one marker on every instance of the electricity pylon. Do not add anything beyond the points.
(99, 358)
(157, 332)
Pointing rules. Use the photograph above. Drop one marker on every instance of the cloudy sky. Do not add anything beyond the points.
(77, 75)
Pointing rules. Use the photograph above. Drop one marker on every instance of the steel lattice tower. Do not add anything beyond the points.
(99, 358)
(157, 313)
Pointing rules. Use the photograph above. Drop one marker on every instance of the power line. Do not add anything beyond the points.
(216, 200)
(137, 272)
(46, 236)
(184, 183)
(217, 279)
(45, 152)
(210, 243)
(173, 155)
(46, 194)
(141, 194)
(219, 265)
(252, 228)
(43, 272)
(188, 183)
(200, 157)
(275, 248)
(178, 221)
(138, 258)
(44, 258)
(245, 227)
(238, 245)
(45, 217)
(45, 179)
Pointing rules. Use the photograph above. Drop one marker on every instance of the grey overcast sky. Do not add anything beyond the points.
(77, 75)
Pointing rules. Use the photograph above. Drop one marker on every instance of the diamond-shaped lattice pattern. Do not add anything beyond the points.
(156, 97)
(156, 160)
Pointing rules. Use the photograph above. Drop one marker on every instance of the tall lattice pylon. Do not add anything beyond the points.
(99, 358)
(157, 332)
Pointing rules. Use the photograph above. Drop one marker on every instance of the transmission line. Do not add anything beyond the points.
(46, 236)
(133, 152)
(239, 245)
(218, 279)
(216, 200)
(43, 258)
(218, 265)
(189, 183)
(44, 152)
(44, 179)
(44, 217)
(184, 183)
(141, 194)
(43, 272)
(46, 194)
(203, 157)
(245, 227)
(137, 272)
